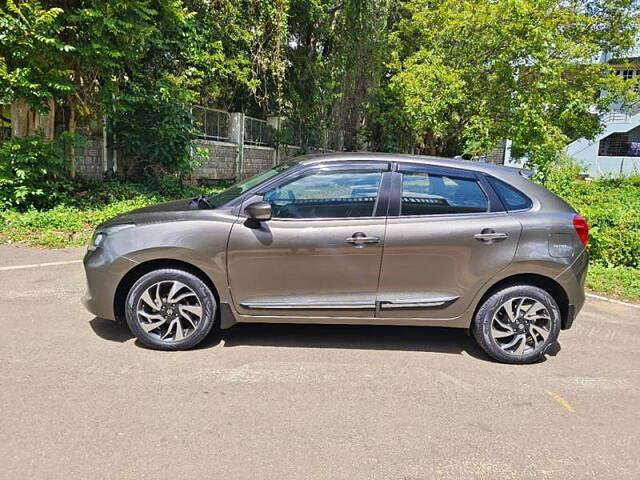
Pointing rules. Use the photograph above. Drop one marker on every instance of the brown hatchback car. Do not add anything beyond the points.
(362, 238)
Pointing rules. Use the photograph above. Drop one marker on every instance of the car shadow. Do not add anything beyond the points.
(357, 337)
(110, 330)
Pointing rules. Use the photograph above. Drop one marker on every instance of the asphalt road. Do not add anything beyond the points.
(80, 399)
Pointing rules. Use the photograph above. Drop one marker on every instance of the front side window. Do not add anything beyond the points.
(327, 194)
(430, 194)
(240, 188)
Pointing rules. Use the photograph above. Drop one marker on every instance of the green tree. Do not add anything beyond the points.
(238, 56)
(140, 63)
(32, 53)
(335, 54)
(465, 74)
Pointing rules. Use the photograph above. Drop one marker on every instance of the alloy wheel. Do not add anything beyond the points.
(169, 310)
(521, 325)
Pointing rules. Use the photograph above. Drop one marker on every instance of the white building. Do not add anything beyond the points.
(616, 150)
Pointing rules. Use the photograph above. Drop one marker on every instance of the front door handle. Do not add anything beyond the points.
(489, 236)
(360, 239)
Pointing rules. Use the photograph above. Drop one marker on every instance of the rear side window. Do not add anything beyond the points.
(511, 198)
(430, 194)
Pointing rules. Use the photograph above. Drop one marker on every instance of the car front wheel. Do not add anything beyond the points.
(170, 309)
(517, 324)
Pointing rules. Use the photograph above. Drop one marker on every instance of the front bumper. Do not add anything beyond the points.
(103, 273)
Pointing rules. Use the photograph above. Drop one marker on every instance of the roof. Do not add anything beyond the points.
(406, 158)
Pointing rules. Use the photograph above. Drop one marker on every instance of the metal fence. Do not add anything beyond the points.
(212, 124)
(291, 133)
(621, 115)
(616, 117)
(256, 132)
(5, 134)
(333, 141)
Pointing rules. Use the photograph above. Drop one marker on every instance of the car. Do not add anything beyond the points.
(352, 238)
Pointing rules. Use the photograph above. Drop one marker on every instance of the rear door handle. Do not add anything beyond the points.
(490, 237)
(359, 240)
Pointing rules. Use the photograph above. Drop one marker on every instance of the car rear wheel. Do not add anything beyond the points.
(517, 324)
(170, 309)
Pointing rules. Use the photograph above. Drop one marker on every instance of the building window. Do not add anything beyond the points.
(618, 145)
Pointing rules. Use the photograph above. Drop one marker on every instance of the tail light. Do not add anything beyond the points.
(581, 228)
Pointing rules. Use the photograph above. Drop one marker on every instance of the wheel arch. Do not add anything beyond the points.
(548, 284)
(143, 268)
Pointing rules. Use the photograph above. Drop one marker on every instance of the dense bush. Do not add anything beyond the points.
(612, 209)
(33, 173)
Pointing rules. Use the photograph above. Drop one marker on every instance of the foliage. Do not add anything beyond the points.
(153, 134)
(334, 71)
(612, 209)
(470, 73)
(31, 53)
(140, 63)
(72, 222)
(437, 76)
(33, 173)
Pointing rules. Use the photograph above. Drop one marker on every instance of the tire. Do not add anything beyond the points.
(170, 309)
(525, 335)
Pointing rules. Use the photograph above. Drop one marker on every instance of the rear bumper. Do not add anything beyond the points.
(571, 316)
(572, 281)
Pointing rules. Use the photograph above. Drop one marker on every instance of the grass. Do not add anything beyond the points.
(620, 282)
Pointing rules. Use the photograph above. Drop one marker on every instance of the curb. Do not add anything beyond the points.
(612, 300)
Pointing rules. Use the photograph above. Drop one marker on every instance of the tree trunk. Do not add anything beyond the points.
(21, 119)
(25, 121)
(45, 123)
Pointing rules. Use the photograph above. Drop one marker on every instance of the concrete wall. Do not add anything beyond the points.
(257, 159)
(285, 152)
(90, 159)
(218, 163)
(218, 160)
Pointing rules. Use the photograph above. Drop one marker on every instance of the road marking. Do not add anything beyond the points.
(612, 300)
(560, 400)
(38, 265)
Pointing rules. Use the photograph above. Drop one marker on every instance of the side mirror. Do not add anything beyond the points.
(259, 211)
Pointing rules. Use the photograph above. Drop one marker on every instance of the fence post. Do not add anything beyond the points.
(275, 122)
(236, 135)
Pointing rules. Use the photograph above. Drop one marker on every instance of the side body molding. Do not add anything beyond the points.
(416, 302)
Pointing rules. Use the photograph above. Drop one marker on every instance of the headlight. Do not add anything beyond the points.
(102, 233)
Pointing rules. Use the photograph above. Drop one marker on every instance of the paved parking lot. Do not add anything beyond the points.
(80, 399)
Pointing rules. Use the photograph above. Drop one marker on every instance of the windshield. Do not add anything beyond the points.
(238, 189)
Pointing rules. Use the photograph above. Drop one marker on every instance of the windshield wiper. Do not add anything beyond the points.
(199, 202)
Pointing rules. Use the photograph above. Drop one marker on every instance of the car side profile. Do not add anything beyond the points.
(354, 238)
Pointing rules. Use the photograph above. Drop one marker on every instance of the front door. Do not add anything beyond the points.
(445, 238)
(320, 254)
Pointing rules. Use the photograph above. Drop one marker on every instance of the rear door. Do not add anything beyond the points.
(320, 254)
(447, 234)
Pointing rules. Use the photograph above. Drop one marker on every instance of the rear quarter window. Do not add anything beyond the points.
(512, 198)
